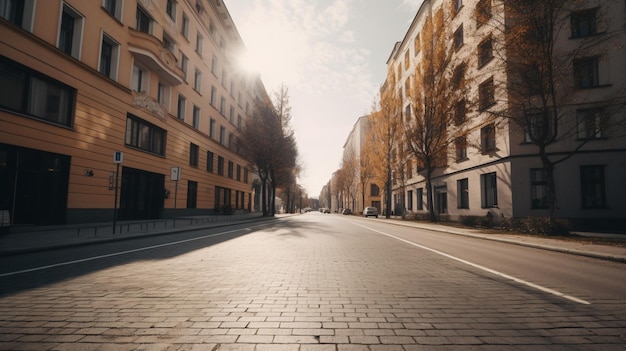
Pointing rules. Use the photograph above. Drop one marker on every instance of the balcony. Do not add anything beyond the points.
(149, 51)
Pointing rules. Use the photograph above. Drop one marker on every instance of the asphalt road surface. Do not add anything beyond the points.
(311, 282)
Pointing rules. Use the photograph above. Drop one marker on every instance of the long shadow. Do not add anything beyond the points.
(85, 260)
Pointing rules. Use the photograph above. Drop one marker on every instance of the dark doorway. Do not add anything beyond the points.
(142, 194)
(33, 185)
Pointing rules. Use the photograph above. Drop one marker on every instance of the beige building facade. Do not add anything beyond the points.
(495, 171)
(149, 88)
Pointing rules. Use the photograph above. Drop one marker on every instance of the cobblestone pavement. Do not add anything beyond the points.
(302, 286)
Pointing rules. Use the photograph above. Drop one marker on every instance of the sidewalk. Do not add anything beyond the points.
(32, 239)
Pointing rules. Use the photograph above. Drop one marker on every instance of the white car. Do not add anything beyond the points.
(370, 211)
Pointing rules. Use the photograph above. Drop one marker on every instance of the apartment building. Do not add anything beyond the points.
(132, 105)
(493, 168)
(364, 190)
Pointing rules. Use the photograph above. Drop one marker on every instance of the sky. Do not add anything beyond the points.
(331, 55)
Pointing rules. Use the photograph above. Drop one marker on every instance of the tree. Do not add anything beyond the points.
(366, 169)
(258, 144)
(437, 99)
(349, 169)
(542, 91)
(386, 132)
(283, 161)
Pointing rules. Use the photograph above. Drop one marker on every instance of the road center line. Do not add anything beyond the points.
(123, 252)
(503, 275)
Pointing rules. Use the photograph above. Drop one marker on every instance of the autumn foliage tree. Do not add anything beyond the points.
(438, 92)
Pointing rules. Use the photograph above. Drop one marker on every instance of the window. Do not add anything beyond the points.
(231, 169)
(407, 113)
(223, 106)
(245, 175)
(199, 8)
(539, 127)
(214, 65)
(409, 200)
(586, 73)
(18, 12)
(485, 51)
(458, 37)
(407, 60)
(591, 123)
(488, 138)
(170, 9)
(583, 23)
(144, 135)
(460, 111)
(458, 4)
(483, 12)
(374, 190)
(538, 188)
(209, 161)
(220, 165)
(238, 173)
(593, 187)
(489, 190)
(184, 65)
(417, 44)
(212, 128)
(168, 43)
(163, 94)
(460, 144)
(199, 44)
(222, 135)
(194, 153)
(197, 81)
(139, 81)
(458, 76)
(109, 51)
(114, 8)
(486, 94)
(30, 93)
(231, 115)
(407, 87)
(420, 199)
(192, 194)
(462, 189)
(70, 32)
(184, 27)
(143, 21)
(181, 107)
(196, 117)
(213, 97)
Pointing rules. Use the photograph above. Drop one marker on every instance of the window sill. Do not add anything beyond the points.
(599, 86)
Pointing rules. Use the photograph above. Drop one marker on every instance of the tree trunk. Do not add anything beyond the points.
(430, 197)
(548, 167)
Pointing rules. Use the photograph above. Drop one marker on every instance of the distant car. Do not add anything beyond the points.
(325, 210)
(346, 211)
(370, 211)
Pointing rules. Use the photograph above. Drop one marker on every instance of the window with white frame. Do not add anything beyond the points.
(199, 40)
(114, 8)
(163, 94)
(143, 21)
(184, 64)
(70, 31)
(140, 80)
(197, 81)
(184, 27)
(181, 107)
(196, 117)
(170, 9)
(19, 12)
(109, 57)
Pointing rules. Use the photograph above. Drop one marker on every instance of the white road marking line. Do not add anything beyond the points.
(503, 275)
(121, 253)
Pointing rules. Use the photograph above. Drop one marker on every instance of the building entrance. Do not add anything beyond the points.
(33, 185)
(142, 194)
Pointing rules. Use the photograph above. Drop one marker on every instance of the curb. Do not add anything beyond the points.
(606, 257)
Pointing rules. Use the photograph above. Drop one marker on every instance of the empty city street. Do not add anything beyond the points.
(311, 282)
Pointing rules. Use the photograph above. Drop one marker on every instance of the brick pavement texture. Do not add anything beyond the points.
(308, 288)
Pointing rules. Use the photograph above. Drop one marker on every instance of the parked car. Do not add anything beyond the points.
(346, 211)
(370, 211)
(325, 210)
